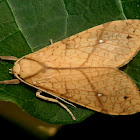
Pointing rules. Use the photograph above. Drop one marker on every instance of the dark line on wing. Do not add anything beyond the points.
(47, 67)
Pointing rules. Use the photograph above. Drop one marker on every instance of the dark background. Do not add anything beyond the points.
(98, 125)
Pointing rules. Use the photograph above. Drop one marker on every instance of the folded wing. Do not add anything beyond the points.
(106, 90)
(111, 44)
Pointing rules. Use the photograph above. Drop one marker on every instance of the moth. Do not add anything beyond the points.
(83, 69)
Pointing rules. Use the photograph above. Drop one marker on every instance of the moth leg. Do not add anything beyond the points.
(8, 58)
(10, 82)
(67, 102)
(55, 101)
(51, 41)
(39, 91)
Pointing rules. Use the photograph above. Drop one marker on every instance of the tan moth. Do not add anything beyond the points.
(83, 69)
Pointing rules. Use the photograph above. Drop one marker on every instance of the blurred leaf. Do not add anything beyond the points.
(27, 26)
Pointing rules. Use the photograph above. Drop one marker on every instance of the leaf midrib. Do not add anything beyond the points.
(16, 22)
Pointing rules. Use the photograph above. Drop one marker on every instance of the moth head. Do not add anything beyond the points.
(26, 68)
(16, 69)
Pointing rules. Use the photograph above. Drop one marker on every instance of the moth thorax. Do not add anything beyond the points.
(27, 68)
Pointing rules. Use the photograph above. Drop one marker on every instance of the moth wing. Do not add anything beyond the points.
(111, 44)
(106, 90)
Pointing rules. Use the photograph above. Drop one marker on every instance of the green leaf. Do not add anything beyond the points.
(28, 25)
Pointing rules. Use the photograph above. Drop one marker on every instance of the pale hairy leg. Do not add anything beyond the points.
(51, 41)
(10, 82)
(38, 94)
(8, 58)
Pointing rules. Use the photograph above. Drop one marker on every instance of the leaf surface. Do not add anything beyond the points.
(27, 26)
